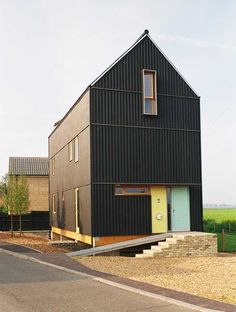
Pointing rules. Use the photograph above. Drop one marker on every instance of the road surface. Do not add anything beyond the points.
(26, 286)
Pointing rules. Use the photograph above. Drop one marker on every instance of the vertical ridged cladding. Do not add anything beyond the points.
(125, 108)
(120, 215)
(126, 74)
(129, 147)
(145, 155)
(196, 208)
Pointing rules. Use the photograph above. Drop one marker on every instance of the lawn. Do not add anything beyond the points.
(216, 219)
(219, 214)
(229, 242)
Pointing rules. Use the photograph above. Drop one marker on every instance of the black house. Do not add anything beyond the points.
(125, 161)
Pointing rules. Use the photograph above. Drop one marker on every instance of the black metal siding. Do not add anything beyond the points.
(129, 147)
(196, 208)
(126, 74)
(120, 215)
(125, 108)
(144, 155)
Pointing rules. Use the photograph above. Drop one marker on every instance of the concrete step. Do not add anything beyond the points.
(148, 251)
(156, 248)
(143, 256)
(171, 240)
(179, 236)
(163, 244)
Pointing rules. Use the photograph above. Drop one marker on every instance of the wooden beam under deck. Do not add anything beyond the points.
(73, 235)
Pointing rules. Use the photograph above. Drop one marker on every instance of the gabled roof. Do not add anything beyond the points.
(29, 166)
(144, 35)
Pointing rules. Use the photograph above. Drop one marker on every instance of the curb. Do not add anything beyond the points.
(114, 284)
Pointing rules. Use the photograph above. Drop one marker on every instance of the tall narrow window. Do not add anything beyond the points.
(53, 165)
(63, 202)
(77, 209)
(54, 203)
(149, 92)
(70, 151)
(76, 148)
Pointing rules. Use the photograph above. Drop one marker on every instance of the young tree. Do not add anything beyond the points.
(3, 185)
(3, 191)
(9, 198)
(17, 198)
(21, 205)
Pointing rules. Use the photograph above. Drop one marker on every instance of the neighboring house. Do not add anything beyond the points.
(125, 161)
(36, 171)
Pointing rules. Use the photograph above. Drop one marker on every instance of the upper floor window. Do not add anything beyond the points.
(70, 151)
(76, 141)
(54, 210)
(53, 165)
(131, 190)
(149, 92)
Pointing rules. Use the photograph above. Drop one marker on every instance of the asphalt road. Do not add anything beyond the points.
(26, 286)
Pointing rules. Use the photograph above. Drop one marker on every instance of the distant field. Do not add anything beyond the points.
(219, 214)
(221, 219)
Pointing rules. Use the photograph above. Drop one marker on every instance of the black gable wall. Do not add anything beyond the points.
(129, 147)
(125, 74)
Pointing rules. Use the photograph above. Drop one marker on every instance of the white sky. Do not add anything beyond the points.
(50, 50)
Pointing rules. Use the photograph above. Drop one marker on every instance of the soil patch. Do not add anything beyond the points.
(37, 242)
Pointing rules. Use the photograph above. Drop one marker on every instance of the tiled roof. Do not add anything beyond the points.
(29, 166)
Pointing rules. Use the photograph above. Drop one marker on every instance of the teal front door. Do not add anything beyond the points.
(180, 209)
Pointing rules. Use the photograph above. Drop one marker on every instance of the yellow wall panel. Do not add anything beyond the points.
(159, 209)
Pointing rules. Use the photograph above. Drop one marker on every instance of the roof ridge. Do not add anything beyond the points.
(140, 38)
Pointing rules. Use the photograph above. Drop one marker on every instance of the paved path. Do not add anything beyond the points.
(26, 286)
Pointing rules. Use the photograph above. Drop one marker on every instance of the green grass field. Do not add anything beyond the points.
(230, 242)
(222, 218)
(220, 214)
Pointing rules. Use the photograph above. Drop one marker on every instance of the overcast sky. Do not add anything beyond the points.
(51, 50)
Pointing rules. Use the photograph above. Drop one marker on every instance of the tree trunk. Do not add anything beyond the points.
(11, 225)
(20, 225)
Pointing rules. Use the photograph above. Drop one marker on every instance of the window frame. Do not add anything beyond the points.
(53, 165)
(125, 193)
(76, 149)
(54, 204)
(153, 98)
(77, 209)
(70, 150)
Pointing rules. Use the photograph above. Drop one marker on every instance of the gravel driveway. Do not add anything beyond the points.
(209, 277)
